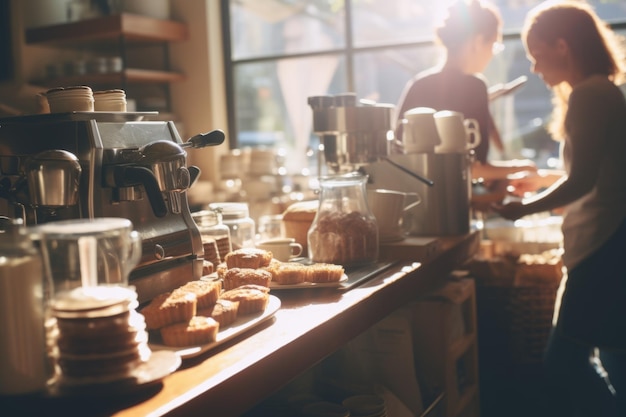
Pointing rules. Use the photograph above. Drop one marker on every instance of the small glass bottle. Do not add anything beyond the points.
(215, 234)
(242, 227)
(344, 230)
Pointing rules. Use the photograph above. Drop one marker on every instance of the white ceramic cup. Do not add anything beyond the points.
(457, 133)
(283, 249)
(388, 206)
(419, 132)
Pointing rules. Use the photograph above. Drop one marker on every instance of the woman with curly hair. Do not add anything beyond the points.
(581, 60)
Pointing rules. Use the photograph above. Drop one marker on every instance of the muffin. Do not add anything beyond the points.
(199, 330)
(248, 258)
(324, 272)
(223, 311)
(251, 298)
(289, 273)
(208, 267)
(169, 308)
(236, 277)
(206, 292)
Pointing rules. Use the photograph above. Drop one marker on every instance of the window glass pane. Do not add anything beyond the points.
(276, 27)
(378, 22)
(271, 93)
(521, 116)
(382, 75)
(271, 106)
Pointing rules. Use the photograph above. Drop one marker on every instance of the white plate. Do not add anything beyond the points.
(240, 325)
(275, 286)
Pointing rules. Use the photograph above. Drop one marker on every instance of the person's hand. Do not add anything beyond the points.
(524, 165)
(511, 211)
(522, 185)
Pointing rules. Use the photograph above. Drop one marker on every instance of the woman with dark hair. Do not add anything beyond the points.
(470, 35)
(581, 59)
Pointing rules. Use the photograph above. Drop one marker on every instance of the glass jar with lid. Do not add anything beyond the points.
(237, 217)
(344, 230)
(215, 234)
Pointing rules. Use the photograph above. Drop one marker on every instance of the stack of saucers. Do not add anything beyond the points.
(325, 409)
(366, 405)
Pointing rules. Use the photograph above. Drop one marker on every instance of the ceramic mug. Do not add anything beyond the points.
(389, 206)
(283, 249)
(457, 133)
(419, 132)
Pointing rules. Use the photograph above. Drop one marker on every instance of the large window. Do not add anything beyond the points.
(280, 52)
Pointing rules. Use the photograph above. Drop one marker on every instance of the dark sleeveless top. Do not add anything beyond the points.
(451, 90)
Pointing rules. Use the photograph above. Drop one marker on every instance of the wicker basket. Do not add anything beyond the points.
(531, 310)
(515, 305)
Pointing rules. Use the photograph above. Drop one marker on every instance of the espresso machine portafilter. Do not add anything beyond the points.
(86, 165)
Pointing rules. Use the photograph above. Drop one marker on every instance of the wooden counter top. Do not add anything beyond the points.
(310, 325)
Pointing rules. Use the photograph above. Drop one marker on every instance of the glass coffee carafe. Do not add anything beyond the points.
(344, 230)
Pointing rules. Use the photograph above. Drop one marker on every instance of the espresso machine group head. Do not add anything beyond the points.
(85, 165)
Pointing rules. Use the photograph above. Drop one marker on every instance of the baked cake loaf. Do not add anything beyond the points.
(251, 298)
(198, 330)
(236, 277)
(223, 311)
(248, 258)
(169, 308)
(207, 292)
(297, 219)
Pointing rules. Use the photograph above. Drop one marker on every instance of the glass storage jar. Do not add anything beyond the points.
(215, 234)
(242, 227)
(344, 230)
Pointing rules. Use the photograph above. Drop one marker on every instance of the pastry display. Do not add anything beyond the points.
(181, 317)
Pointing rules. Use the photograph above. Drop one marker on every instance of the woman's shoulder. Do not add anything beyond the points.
(596, 89)
(440, 76)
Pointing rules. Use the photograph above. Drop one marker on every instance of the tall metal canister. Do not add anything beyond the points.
(445, 206)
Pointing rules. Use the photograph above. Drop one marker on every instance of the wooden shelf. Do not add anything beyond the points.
(130, 75)
(132, 28)
(116, 33)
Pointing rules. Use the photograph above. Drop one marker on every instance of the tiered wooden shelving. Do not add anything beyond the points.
(118, 33)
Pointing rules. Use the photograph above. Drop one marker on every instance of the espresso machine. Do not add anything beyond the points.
(85, 165)
(359, 135)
